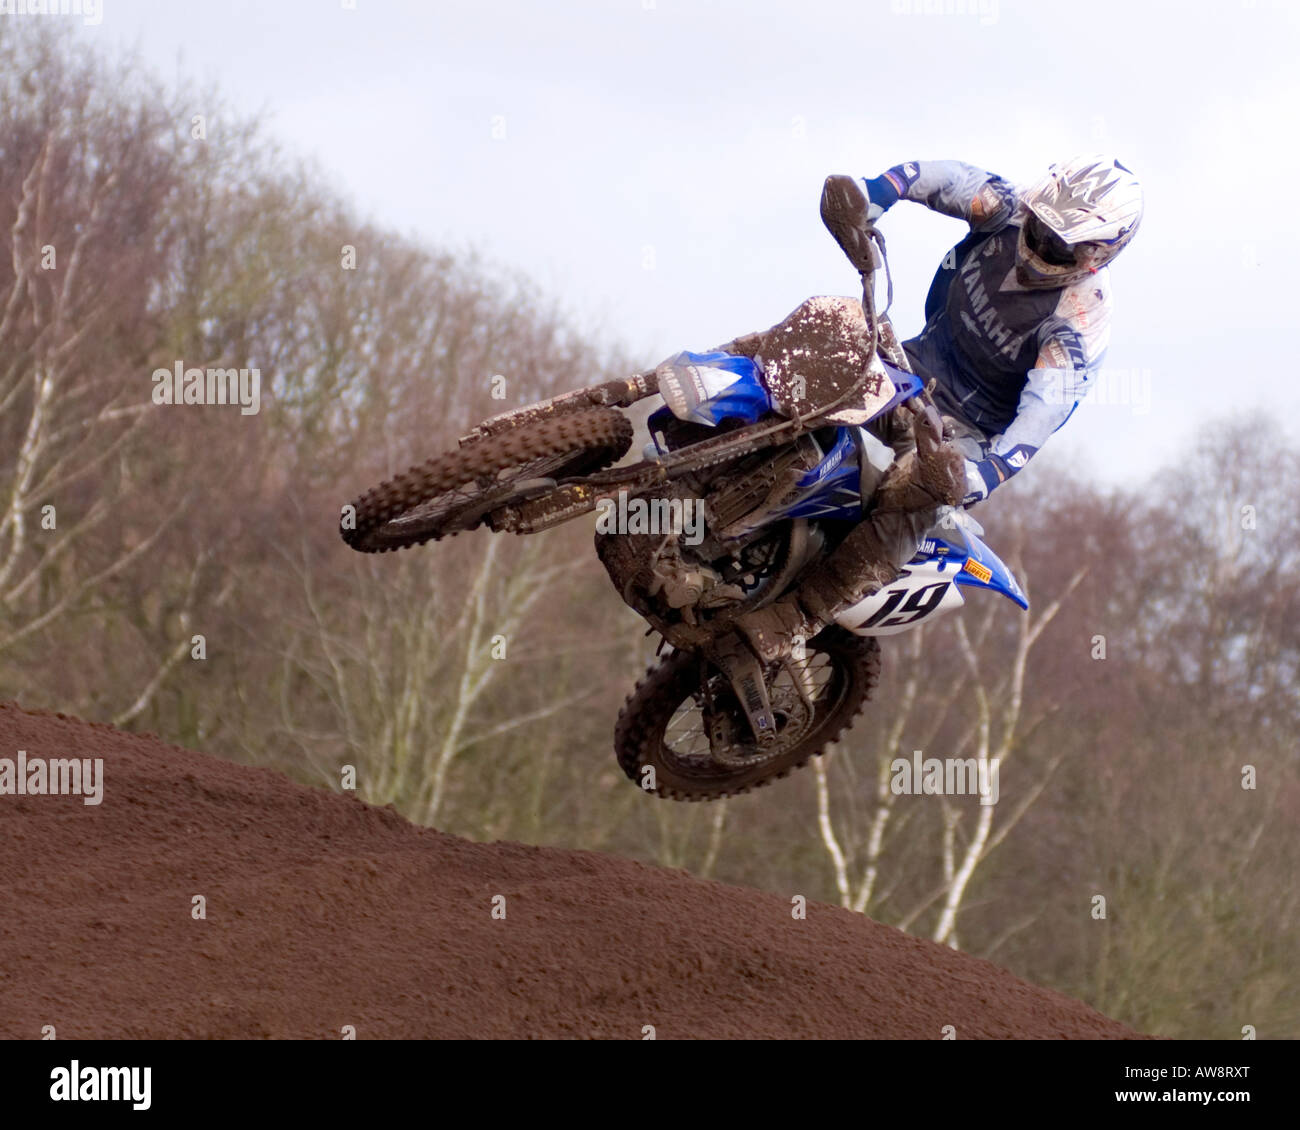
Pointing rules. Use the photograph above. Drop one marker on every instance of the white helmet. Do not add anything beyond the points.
(1075, 220)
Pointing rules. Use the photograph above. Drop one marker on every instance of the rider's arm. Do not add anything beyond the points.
(1072, 347)
(965, 192)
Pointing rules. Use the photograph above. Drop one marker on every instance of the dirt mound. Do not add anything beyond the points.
(323, 912)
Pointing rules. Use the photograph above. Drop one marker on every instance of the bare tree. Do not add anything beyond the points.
(83, 183)
(987, 721)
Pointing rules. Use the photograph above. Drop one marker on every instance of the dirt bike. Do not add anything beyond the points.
(768, 436)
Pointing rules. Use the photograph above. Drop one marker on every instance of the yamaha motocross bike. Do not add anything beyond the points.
(770, 436)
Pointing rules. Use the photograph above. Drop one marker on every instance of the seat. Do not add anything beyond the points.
(815, 355)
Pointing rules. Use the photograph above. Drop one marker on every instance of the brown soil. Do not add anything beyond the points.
(323, 912)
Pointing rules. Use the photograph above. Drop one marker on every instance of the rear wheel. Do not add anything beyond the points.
(666, 723)
(455, 492)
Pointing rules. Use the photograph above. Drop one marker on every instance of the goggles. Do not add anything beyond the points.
(1051, 248)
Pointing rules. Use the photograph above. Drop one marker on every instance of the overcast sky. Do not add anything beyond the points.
(656, 164)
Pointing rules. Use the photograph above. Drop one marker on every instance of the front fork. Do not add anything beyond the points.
(745, 674)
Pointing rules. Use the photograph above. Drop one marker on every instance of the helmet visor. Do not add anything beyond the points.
(1050, 247)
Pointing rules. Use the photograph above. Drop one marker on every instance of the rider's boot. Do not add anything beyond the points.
(857, 567)
(927, 473)
(925, 476)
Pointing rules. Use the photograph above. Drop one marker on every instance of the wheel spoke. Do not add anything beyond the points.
(686, 736)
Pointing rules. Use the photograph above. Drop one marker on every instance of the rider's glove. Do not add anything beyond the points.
(983, 477)
(882, 194)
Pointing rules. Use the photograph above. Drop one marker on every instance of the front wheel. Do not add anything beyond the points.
(458, 491)
(663, 734)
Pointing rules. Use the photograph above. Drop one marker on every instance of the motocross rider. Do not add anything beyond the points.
(1017, 323)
